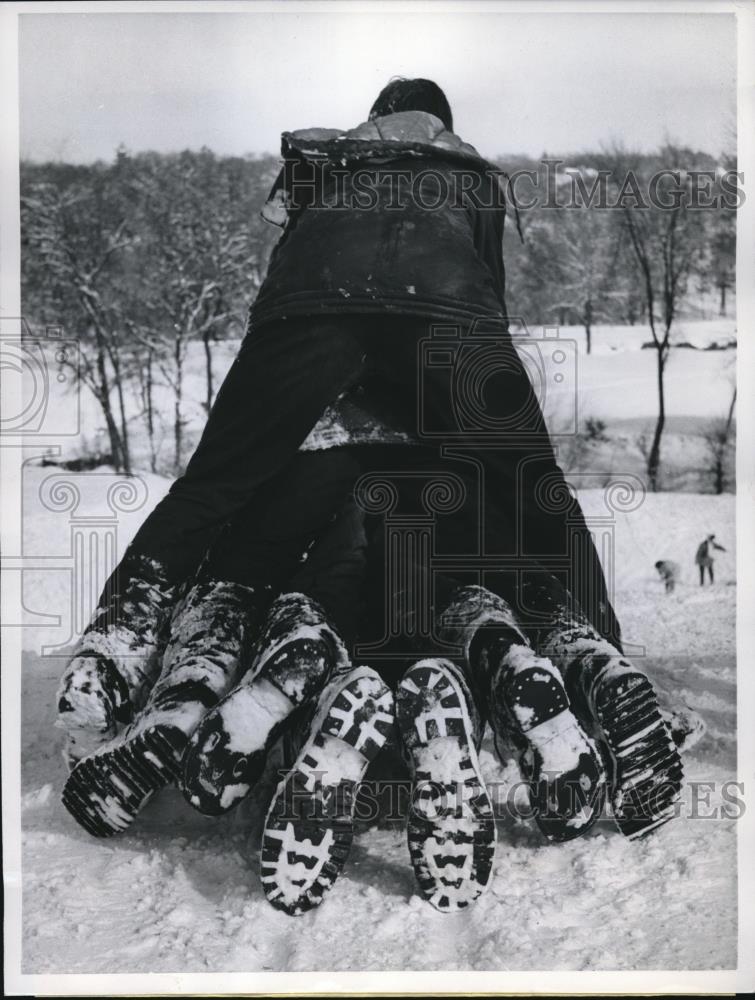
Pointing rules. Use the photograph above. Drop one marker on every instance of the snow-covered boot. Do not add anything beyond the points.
(210, 636)
(116, 661)
(530, 711)
(451, 828)
(310, 823)
(293, 659)
(618, 702)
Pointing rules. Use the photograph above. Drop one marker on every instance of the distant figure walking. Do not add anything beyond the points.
(704, 557)
(668, 572)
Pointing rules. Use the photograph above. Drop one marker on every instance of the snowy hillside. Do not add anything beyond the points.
(180, 892)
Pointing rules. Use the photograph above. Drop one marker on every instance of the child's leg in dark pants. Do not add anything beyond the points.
(211, 636)
(120, 655)
(520, 692)
(275, 392)
(472, 392)
(277, 389)
(345, 719)
(306, 638)
(529, 712)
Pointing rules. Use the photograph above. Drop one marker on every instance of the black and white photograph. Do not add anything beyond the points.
(377, 497)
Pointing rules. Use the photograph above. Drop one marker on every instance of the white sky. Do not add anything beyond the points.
(529, 83)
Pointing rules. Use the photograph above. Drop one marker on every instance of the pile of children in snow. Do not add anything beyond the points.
(377, 389)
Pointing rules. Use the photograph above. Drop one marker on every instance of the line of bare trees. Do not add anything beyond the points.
(139, 258)
(586, 263)
(147, 255)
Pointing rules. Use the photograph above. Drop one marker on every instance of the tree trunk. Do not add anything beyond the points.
(103, 396)
(718, 475)
(125, 450)
(722, 305)
(730, 414)
(720, 466)
(116, 448)
(654, 456)
(210, 391)
(588, 325)
(177, 409)
(150, 413)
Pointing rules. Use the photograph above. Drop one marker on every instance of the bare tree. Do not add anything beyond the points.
(74, 239)
(200, 257)
(666, 243)
(719, 441)
(587, 252)
(138, 258)
(143, 372)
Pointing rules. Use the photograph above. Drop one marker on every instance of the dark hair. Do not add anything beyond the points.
(401, 94)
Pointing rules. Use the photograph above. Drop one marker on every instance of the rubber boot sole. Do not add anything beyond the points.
(647, 768)
(106, 791)
(310, 824)
(451, 830)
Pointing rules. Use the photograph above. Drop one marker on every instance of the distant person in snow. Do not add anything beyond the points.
(704, 557)
(669, 573)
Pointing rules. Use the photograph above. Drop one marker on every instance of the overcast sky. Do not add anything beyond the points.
(528, 83)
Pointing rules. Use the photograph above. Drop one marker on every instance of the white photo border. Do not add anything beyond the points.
(399, 983)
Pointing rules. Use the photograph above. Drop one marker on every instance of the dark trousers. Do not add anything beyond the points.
(703, 567)
(302, 532)
(425, 579)
(275, 392)
(265, 541)
(287, 373)
(474, 541)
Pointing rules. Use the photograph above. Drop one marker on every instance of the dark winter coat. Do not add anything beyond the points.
(704, 556)
(395, 216)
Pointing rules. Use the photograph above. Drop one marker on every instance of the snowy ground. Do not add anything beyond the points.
(180, 892)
